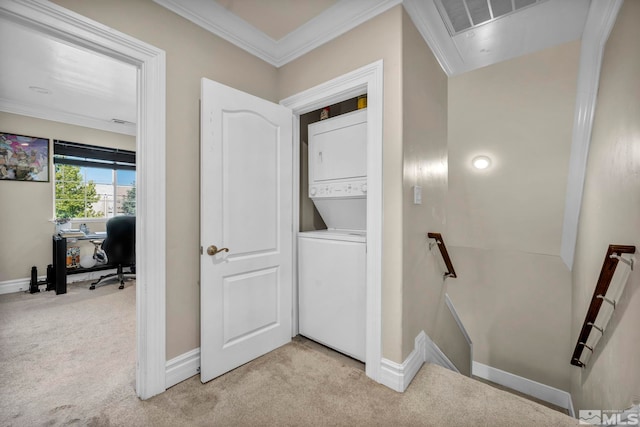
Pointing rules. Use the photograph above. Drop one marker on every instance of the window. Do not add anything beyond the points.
(93, 182)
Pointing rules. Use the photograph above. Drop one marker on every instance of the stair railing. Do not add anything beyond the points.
(451, 272)
(604, 300)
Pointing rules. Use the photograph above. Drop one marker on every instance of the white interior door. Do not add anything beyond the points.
(246, 196)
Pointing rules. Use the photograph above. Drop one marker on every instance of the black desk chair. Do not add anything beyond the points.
(120, 247)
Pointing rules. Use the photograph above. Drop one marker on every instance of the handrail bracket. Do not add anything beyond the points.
(629, 262)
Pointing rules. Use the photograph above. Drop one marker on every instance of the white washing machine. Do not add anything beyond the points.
(332, 293)
(332, 262)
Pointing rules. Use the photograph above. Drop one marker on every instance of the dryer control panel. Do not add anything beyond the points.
(339, 189)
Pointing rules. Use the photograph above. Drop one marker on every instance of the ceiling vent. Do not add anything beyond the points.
(463, 15)
(121, 122)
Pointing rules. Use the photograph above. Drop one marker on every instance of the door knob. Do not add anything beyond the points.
(213, 249)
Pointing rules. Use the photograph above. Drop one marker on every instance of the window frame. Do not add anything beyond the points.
(93, 156)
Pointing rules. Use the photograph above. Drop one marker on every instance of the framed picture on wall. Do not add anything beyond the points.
(24, 158)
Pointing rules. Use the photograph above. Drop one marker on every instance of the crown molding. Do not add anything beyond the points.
(600, 21)
(219, 21)
(426, 18)
(344, 16)
(336, 20)
(46, 113)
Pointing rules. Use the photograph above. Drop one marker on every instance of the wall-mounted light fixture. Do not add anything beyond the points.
(481, 162)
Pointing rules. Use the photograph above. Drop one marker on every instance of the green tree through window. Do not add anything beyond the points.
(74, 197)
(129, 202)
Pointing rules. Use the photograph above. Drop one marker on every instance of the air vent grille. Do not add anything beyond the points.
(121, 122)
(463, 15)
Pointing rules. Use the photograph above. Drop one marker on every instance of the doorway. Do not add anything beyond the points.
(228, 320)
(56, 22)
(366, 80)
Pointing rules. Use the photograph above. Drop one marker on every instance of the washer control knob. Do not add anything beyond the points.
(364, 188)
(313, 191)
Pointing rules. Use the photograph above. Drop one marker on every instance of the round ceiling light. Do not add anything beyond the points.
(481, 162)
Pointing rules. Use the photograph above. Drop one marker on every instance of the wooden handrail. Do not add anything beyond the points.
(604, 280)
(451, 272)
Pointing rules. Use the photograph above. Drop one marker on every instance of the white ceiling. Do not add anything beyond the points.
(276, 18)
(47, 78)
(89, 89)
(543, 25)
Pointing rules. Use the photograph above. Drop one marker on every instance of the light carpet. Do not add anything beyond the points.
(69, 360)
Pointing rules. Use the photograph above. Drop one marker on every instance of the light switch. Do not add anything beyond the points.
(417, 195)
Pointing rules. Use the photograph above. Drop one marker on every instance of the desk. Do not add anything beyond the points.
(60, 271)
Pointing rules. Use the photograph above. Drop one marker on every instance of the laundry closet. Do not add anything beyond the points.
(333, 217)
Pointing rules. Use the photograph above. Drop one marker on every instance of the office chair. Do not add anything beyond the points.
(120, 247)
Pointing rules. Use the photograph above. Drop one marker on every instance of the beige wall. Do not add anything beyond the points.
(515, 307)
(379, 38)
(27, 207)
(192, 53)
(610, 214)
(504, 224)
(452, 341)
(519, 113)
(424, 138)
(310, 218)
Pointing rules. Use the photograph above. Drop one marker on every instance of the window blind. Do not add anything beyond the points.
(72, 153)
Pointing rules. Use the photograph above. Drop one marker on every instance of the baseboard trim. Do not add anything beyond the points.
(572, 411)
(22, 285)
(523, 385)
(434, 355)
(182, 367)
(398, 376)
(17, 285)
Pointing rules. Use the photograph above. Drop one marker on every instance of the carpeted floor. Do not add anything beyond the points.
(63, 357)
(69, 360)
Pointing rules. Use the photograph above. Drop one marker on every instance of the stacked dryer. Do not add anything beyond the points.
(332, 262)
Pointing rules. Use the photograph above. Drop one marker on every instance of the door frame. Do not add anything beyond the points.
(369, 80)
(77, 30)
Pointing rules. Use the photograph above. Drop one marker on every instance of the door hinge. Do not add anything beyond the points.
(201, 250)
